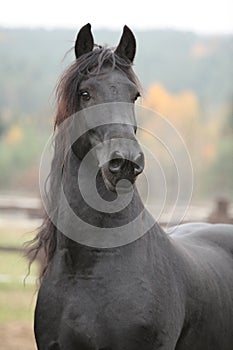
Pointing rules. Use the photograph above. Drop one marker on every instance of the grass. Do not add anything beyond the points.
(17, 300)
(15, 237)
(15, 264)
(16, 304)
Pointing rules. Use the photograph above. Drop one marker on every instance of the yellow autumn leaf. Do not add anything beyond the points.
(14, 135)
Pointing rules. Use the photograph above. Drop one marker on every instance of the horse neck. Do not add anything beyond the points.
(97, 218)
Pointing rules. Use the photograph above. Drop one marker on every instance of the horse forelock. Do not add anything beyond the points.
(87, 65)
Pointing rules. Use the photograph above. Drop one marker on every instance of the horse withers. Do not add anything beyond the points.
(158, 291)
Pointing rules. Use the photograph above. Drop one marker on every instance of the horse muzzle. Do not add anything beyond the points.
(122, 169)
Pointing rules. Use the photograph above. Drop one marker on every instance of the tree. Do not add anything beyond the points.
(220, 174)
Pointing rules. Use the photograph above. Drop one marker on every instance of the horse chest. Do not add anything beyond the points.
(111, 313)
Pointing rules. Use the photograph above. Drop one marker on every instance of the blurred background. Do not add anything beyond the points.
(184, 62)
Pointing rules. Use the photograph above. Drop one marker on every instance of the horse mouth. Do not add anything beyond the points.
(124, 186)
(108, 184)
(120, 186)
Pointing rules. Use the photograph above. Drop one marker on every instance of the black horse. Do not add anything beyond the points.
(159, 291)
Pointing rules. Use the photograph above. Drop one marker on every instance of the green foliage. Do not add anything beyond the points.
(220, 173)
(32, 60)
(17, 156)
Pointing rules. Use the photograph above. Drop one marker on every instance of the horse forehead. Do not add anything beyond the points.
(112, 81)
(117, 78)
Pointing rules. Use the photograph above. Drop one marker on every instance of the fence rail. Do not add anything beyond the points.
(222, 212)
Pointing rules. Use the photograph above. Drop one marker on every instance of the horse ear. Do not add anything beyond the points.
(84, 42)
(127, 45)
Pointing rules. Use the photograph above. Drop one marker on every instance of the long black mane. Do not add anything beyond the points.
(87, 65)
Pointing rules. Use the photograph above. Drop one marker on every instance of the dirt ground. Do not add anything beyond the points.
(17, 336)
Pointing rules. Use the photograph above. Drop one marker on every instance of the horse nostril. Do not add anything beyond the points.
(138, 164)
(116, 162)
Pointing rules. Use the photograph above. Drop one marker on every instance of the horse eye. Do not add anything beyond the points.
(137, 95)
(85, 95)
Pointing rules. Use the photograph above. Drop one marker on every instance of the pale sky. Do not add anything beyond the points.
(203, 16)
